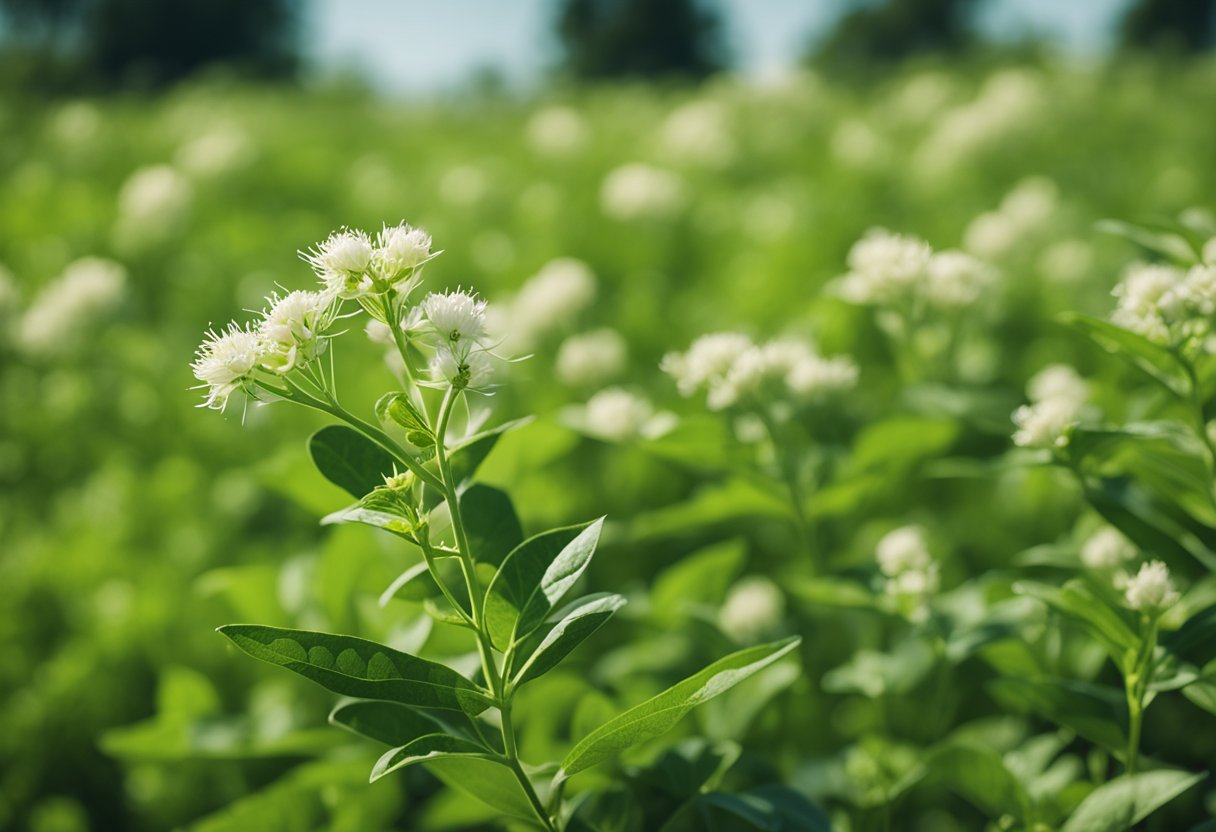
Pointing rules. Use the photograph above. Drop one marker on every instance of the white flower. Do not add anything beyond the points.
(884, 267)
(157, 195)
(292, 328)
(458, 317)
(1150, 588)
(216, 152)
(707, 361)
(57, 317)
(226, 361)
(903, 550)
(697, 132)
(638, 191)
(341, 261)
(548, 301)
(618, 416)
(1148, 302)
(1106, 549)
(915, 582)
(1058, 381)
(752, 609)
(816, 377)
(1044, 424)
(379, 332)
(401, 248)
(472, 371)
(591, 358)
(956, 279)
(557, 131)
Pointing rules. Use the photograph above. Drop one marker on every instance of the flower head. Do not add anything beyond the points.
(400, 249)
(225, 362)
(1106, 549)
(471, 371)
(342, 262)
(707, 361)
(618, 415)
(903, 550)
(591, 357)
(458, 317)
(1150, 589)
(292, 328)
(752, 609)
(1044, 424)
(885, 266)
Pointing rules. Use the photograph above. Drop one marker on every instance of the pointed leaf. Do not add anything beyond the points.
(1106, 624)
(660, 713)
(356, 667)
(387, 722)
(1125, 801)
(559, 578)
(578, 622)
(349, 459)
(490, 522)
(1153, 359)
(422, 748)
(519, 576)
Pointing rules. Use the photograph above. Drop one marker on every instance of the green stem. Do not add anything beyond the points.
(499, 686)
(392, 317)
(789, 474)
(428, 554)
(1136, 686)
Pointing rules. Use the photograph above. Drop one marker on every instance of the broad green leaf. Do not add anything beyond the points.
(357, 513)
(490, 522)
(1157, 361)
(1148, 522)
(397, 407)
(700, 579)
(388, 722)
(464, 766)
(1195, 641)
(356, 667)
(418, 584)
(577, 623)
(1125, 801)
(520, 576)
(1097, 713)
(902, 441)
(979, 775)
(1108, 625)
(467, 455)
(349, 459)
(659, 714)
(558, 579)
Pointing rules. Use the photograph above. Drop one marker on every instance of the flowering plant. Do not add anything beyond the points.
(412, 475)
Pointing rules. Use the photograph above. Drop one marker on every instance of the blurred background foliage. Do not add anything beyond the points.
(133, 524)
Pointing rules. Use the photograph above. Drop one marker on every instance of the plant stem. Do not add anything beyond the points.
(498, 684)
(1136, 686)
(789, 474)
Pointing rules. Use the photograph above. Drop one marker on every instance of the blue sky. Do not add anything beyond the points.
(419, 46)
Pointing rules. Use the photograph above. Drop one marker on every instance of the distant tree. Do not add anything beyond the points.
(642, 38)
(157, 41)
(1179, 25)
(878, 34)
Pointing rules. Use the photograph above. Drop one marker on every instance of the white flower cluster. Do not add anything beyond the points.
(1150, 590)
(152, 204)
(351, 266)
(291, 333)
(638, 191)
(887, 269)
(557, 131)
(752, 610)
(1057, 396)
(617, 415)
(698, 133)
(1026, 209)
(1106, 550)
(591, 358)
(1167, 305)
(547, 302)
(55, 319)
(904, 559)
(731, 369)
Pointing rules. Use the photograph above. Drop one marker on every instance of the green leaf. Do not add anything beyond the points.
(1095, 712)
(578, 621)
(1172, 240)
(349, 460)
(388, 722)
(466, 456)
(524, 571)
(979, 775)
(700, 579)
(466, 767)
(1125, 801)
(369, 517)
(558, 579)
(1110, 626)
(356, 667)
(418, 584)
(1194, 641)
(1156, 361)
(490, 522)
(659, 714)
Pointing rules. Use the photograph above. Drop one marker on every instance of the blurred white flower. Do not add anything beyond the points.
(1058, 381)
(458, 317)
(903, 550)
(697, 132)
(218, 151)
(884, 267)
(591, 358)
(1150, 589)
(152, 203)
(547, 302)
(956, 279)
(1044, 424)
(55, 319)
(1066, 261)
(379, 332)
(753, 609)
(1106, 549)
(618, 415)
(856, 143)
(707, 360)
(639, 191)
(341, 262)
(225, 362)
(557, 131)
(815, 376)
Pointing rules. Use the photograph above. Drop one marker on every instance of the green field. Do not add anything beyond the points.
(981, 674)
